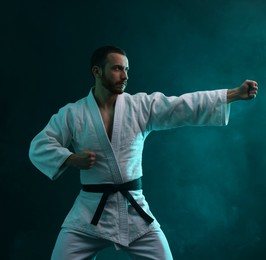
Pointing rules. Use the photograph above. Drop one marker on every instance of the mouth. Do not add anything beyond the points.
(122, 84)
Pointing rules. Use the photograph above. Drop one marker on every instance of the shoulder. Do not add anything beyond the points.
(74, 105)
(72, 109)
(143, 96)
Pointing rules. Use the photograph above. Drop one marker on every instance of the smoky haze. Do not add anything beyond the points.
(206, 185)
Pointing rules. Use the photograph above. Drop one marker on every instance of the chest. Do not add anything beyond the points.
(108, 120)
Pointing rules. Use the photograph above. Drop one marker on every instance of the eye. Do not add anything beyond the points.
(120, 68)
(116, 68)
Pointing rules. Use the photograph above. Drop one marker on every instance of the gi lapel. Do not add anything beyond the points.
(109, 149)
(106, 145)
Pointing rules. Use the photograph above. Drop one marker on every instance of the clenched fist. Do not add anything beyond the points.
(82, 160)
(248, 90)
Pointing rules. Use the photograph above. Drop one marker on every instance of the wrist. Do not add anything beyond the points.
(70, 160)
(232, 95)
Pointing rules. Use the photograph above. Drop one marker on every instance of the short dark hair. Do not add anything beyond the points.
(98, 57)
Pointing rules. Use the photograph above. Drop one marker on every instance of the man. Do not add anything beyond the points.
(107, 130)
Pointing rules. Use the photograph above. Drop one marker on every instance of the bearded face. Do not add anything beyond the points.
(114, 74)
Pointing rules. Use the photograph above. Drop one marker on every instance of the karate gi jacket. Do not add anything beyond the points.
(119, 160)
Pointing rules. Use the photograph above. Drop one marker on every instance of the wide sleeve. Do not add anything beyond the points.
(202, 108)
(49, 149)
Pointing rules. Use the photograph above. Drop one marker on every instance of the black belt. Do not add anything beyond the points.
(124, 188)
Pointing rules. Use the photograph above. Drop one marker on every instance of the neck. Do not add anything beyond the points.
(103, 97)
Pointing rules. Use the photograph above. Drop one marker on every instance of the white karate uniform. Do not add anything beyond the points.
(119, 160)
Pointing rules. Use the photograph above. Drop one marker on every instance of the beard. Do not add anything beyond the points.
(114, 87)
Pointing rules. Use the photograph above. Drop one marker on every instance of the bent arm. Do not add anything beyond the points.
(49, 149)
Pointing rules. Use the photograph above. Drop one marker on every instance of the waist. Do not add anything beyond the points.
(113, 188)
(124, 188)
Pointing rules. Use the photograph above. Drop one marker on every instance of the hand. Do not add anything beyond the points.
(248, 90)
(82, 160)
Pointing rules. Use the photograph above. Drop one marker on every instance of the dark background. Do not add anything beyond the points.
(205, 185)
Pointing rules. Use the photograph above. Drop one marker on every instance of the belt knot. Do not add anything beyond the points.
(124, 188)
(115, 188)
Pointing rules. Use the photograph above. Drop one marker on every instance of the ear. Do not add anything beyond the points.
(97, 71)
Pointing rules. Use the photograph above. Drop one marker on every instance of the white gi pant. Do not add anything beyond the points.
(74, 245)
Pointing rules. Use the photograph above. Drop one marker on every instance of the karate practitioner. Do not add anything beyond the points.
(107, 130)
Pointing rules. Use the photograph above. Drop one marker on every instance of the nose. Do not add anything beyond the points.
(124, 75)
